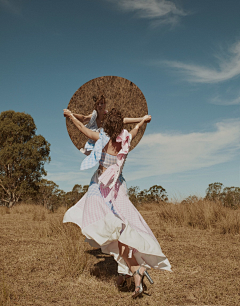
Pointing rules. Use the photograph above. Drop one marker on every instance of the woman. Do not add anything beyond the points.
(105, 214)
(94, 121)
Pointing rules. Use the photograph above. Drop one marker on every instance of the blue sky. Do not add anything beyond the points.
(183, 55)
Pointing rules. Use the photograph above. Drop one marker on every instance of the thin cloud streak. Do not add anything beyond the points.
(160, 154)
(69, 178)
(160, 11)
(229, 67)
(218, 101)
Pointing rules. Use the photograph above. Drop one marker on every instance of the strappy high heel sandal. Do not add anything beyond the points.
(140, 291)
(145, 273)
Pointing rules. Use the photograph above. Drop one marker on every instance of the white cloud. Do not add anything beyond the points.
(160, 11)
(229, 67)
(159, 154)
(67, 179)
(169, 153)
(68, 176)
(64, 168)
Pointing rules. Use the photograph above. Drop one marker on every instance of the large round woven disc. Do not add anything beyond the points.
(119, 93)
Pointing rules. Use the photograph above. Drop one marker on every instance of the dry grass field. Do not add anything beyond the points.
(45, 262)
(119, 93)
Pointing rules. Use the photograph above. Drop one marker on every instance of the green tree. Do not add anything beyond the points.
(22, 156)
(72, 197)
(214, 191)
(49, 194)
(142, 196)
(231, 197)
(157, 194)
(133, 194)
(228, 196)
(190, 199)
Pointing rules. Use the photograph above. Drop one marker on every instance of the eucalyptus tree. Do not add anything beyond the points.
(231, 197)
(157, 194)
(22, 156)
(214, 191)
(49, 195)
(72, 197)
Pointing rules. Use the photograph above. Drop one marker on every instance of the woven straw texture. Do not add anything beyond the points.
(119, 93)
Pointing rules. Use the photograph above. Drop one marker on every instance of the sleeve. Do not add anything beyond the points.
(91, 160)
(91, 124)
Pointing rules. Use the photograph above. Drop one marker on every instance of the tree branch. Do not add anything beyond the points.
(5, 200)
(1, 184)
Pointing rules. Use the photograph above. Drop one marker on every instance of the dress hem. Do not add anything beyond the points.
(105, 233)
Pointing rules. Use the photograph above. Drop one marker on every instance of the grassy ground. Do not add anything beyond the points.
(43, 262)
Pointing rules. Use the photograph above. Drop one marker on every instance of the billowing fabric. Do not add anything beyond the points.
(106, 215)
(92, 125)
(91, 160)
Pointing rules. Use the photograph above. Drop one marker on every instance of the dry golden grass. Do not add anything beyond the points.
(45, 262)
(202, 214)
(4, 210)
(119, 92)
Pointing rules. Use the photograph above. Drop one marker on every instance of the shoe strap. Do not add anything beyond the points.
(137, 272)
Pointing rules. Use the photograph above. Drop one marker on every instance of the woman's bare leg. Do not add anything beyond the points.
(131, 262)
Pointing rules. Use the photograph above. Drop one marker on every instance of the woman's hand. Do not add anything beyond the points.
(134, 131)
(67, 113)
(147, 118)
(87, 132)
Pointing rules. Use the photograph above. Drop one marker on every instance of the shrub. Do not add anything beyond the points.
(229, 196)
(202, 214)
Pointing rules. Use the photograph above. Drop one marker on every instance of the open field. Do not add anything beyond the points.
(43, 262)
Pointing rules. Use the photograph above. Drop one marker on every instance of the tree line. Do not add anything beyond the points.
(22, 158)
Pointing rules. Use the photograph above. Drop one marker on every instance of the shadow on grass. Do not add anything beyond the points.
(106, 268)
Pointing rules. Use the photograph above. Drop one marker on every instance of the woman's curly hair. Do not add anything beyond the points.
(113, 124)
(97, 99)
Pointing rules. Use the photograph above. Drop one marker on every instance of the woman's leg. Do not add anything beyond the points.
(131, 262)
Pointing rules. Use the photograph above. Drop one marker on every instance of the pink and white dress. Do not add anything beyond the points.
(106, 215)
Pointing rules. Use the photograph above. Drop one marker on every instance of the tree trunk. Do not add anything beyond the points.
(10, 203)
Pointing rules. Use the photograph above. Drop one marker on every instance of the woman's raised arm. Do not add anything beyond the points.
(80, 117)
(134, 131)
(135, 120)
(87, 132)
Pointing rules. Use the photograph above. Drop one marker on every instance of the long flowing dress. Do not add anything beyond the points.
(106, 215)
